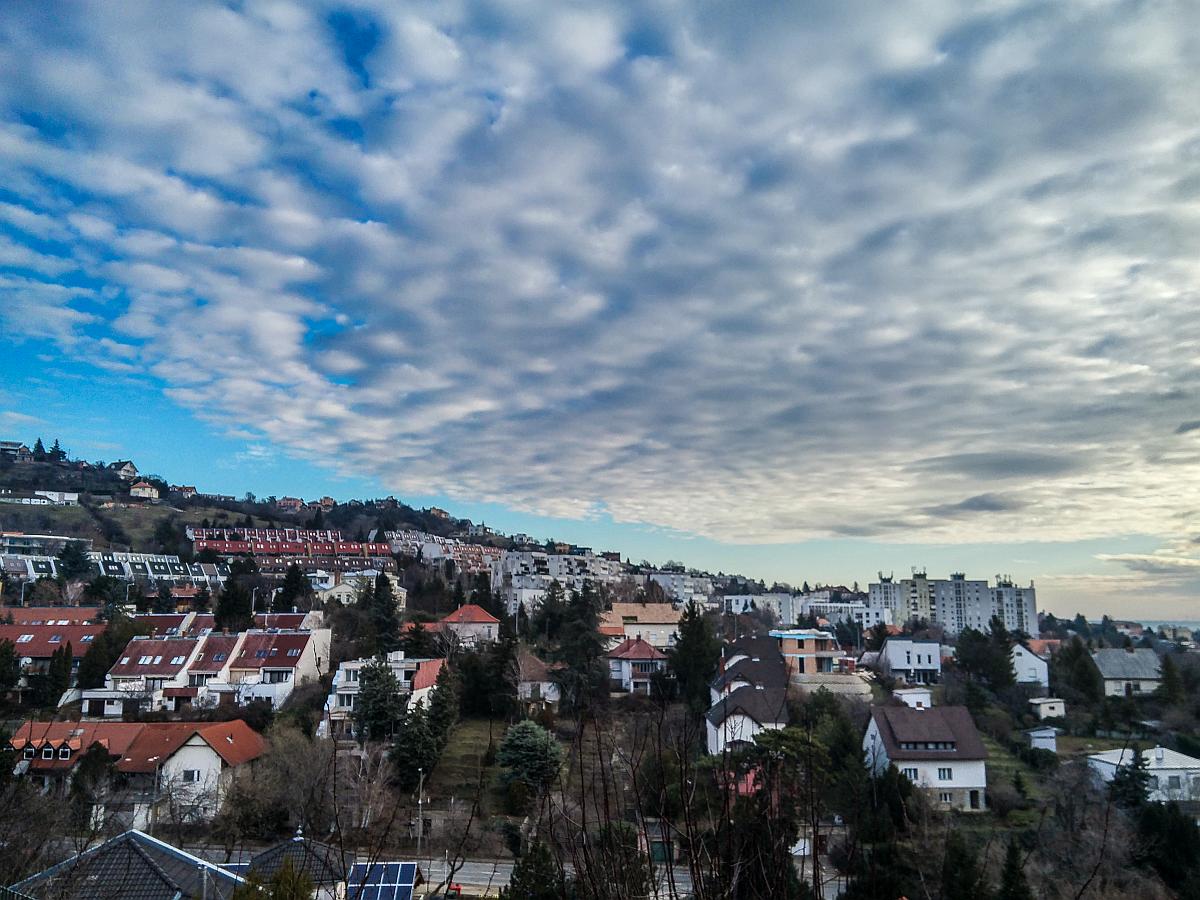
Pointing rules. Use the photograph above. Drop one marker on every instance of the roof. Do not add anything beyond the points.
(900, 725)
(164, 657)
(276, 650)
(531, 667)
(161, 624)
(210, 658)
(321, 862)
(40, 641)
(471, 614)
(1139, 663)
(427, 673)
(642, 614)
(1038, 701)
(234, 741)
(635, 648)
(762, 646)
(1169, 759)
(36, 615)
(763, 705)
(115, 737)
(132, 866)
(769, 672)
(1043, 647)
(278, 620)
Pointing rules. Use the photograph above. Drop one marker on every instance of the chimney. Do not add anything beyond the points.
(1158, 753)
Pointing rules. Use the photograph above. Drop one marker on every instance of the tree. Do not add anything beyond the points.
(1073, 670)
(56, 452)
(380, 705)
(164, 602)
(39, 450)
(417, 642)
(73, 560)
(296, 590)
(443, 706)
(583, 678)
(694, 658)
(105, 650)
(1013, 885)
(202, 602)
(47, 687)
(288, 883)
(1170, 689)
(535, 876)
(234, 611)
(548, 619)
(383, 614)
(616, 868)
(414, 749)
(962, 876)
(876, 636)
(10, 667)
(530, 754)
(1130, 784)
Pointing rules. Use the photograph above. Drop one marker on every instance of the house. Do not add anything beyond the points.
(536, 686)
(144, 490)
(124, 469)
(326, 866)
(911, 661)
(655, 623)
(35, 644)
(472, 625)
(132, 864)
(141, 675)
(814, 661)
(183, 491)
(289, 504)
(1028, 667)
(736, 719)
(175, 770)
(267, 665)
(1043, 737)
(415, 676)
(915, 697)
(938, 749)
(1048, 707)
(16, 451)
(1128, 672)
(749, 672)
(633, 663)
(1044, 647)
(1173, 775)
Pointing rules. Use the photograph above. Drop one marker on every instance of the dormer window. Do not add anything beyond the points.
(30, 752)
(64, 752)
(47, 752)
(56, 638)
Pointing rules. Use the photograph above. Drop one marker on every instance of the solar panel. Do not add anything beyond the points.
(382, 881)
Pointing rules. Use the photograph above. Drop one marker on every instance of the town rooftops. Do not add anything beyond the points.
(471, 614)
(764, 705)
(133, 866)
(50, 615)
(153, 656)
(75, 737)
(274, 650)
(635, 649)
(234, 741)
(1117, 663)
(40, 641)
(642, 614)
(940, 732)
(161, 624)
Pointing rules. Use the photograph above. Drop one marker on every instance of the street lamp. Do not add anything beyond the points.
(420, 808)
(24, 584)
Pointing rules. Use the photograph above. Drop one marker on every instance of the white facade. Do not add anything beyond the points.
(956, 603)
(681, 587)
(1029, 667)
(736, 728)
(785, 607)
(194, 779)
(949, 782)
(1173, 775)
(343, 695)
(915, 697)
(866, 617)
(1048, 707)
(523, 576)
(1043, 738)
(916, 662)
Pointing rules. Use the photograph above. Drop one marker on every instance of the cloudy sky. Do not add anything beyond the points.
(801, 289)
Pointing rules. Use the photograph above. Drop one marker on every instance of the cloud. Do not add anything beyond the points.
(1187, 427)
(757, 276)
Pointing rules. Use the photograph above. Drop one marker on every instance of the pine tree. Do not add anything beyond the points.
(694, 658)
(202, 602)
(58, 674)
(1013, 885)
(1130, 784)
(1170, 689)
(10, 666)
(535, 876)
(962, 876)
(39, 450)
(234, 611)
(384, 616)
(443, 706)
(548, 619)
(56, 452)
(530, 754)
(380, 705)
(414, 749)
(163, 601)
(417, 642)
(583, 679)
(296, 589)
(73, 560)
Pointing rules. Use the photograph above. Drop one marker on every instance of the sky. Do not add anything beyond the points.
(802, 290)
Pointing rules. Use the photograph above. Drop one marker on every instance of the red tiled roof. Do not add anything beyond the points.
(180, 692)
(1043, 647)
(210, 647)
(202, 622)
(427, 674)
(34, 641)
(160, 624)
(278, 620)
(72, 615)
(164, 656)
(612, 630)
(635, 648)
(270, 649)
(429, 627)
(471, 614)
(234, 741)
(78, 736)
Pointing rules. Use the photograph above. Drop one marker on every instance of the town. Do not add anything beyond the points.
(211, 696)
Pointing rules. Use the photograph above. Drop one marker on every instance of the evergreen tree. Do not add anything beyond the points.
(49, 687)
(10, 667)
(163, 601)
(1013, 885)
(202, 602)
(73, 560)
(530, 754)
(384, 616)
(549, 617)
(694, 658)
(443, 706)
(414, 749)
(234, 611)
(380, 704)
(417, 642)
(56, 452)
(39, 450)
(962, 876)
(535, 876)
(583, 678)
(1170, 689)
(1130, 785)
(296, 590)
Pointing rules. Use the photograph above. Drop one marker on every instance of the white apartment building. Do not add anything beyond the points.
(416, 678)
(680, 587)
(523, 576)
(956, 603)
(785, 607)
(855, 611)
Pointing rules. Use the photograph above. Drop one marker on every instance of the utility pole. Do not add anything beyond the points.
(420, 808)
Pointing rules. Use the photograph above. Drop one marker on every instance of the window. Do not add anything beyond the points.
(25, 639)
(1173, 782)
(946, 797)
(191, 776)
(86, 639)
(346, 700)
(64, 752)
(56, 638)
(47, 752)
(30, 752)
(157, 660)
(124, 660)
(910, 774)
(261, 654)
(293, 652)
(220, 657)
(1152, 782)
(177, 660)
(145, 660)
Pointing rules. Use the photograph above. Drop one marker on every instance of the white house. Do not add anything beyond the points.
(915, 697)
(655, 623)
(1044, 737)
(144, 490)
(1128, 672)
(735, 720)
(412, 674)
(633, 663)
(939, 750)
(1048, 707)
(1173, 776)
(912, 661)
(1029, 667)
(536, 686)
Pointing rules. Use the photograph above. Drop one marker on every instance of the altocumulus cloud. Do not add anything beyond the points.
(754, 271)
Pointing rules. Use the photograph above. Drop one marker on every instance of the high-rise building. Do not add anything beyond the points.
(956, 602)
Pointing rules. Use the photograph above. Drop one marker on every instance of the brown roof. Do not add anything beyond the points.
(532, 668)
(234, 741)
(1043, 647)
(471, 614)
(161, 624)
(40, 641)
(642, 613)
(38, 615)
(427, 673)
(635, 648)
(210, 648)
(78, 736)
(164, 657)
(273, 649)
(901, 725)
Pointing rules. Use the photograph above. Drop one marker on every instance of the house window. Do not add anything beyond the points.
(293, 652)
(946, 797)
(87, 638)
(346, 700)
(30, 752)
(944, 774)
(64, 752)
(191, 776)
(47, 752)
(910, 774)
(124, 660)
(220, 657)
(25, 639)
(177, 660)
(1173, 782)
(56, 638)
(145, 660)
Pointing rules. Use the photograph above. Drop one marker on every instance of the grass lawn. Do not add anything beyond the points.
(1069, 746)
(457, 772)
